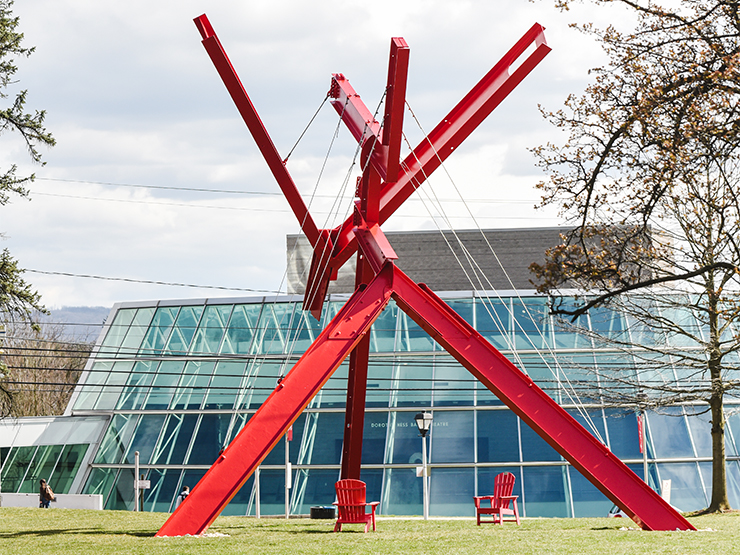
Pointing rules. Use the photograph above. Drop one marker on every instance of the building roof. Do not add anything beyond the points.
(446, 260)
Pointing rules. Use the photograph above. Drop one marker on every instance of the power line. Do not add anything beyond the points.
(152, 282)
(243, 192)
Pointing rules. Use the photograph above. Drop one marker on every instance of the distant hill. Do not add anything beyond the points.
(80, 322)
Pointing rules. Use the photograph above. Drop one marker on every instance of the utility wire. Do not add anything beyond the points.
(167, 283)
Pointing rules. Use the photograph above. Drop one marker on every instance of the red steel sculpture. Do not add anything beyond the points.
(385, 184)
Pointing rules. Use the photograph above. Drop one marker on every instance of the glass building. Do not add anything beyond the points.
(176, 381)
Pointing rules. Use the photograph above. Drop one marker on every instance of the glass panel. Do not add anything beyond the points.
(411, 337)
(193, 385)
(15, 467)
(402, 492)
(224, 388)
(404, 443)
(122, 496)
(532, 328)
(211, 329)
(587, 500)
(701, 432)
(136, 332)
(93, 385)
(412, 386)
(114, 385)
(379, 382)
(116, 439)
(324, 436)
(543, 370)
(260, 382)
(307, 331)
(184, 330)
(174, 442)
(210, 439)
(732, 429)
(314, 487)
(160, 395)
(669, 434)
(465, 308)
(373, 437)
(686, 490)
(334, 392)
(451, 491)
(453, 385)
(3, 455)
(674, 309)
(383, 332)
(493, 320)
(164, 483)
(117, 331)
(159, 331)
(498, 436)
(137, 385)
(241, 330)
(733, 483)
(570, 335)
(274, 329)
(452, 437)
(544, 491)
(579, 378)
(41, 467)
(67, 467)
(145, 438)
(608, 322)
(624, 439)
(100, 482)
(534, 448)
(272, 492)
(643, 332)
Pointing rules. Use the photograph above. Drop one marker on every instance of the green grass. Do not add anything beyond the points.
(58, 532)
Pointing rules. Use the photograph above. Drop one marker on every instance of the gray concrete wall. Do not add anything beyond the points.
(64, 501)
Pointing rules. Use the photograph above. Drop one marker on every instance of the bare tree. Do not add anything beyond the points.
(649, 176)
(41, 367)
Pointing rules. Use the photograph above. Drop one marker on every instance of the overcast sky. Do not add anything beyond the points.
(133, 100)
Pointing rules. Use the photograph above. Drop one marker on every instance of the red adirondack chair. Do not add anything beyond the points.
(351, 504)
(500, 501)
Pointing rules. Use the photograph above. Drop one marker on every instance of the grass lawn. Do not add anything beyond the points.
(58, 532)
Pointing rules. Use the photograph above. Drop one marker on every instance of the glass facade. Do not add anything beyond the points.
(178, 381)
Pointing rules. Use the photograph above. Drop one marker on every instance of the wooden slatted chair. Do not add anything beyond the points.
(352, 506)
(500, 502)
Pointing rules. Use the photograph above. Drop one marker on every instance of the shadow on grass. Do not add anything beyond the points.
(81, 531)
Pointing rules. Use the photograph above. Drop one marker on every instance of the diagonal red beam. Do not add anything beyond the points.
(359, 120)
(256, 127)
(284, 405)
(452, 130)
(517, 390)
(395, 105)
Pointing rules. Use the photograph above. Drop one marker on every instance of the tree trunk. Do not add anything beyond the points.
(719, 502)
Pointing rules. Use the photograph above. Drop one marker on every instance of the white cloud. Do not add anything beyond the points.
(132, 98)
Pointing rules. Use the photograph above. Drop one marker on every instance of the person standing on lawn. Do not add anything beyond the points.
(46, 496)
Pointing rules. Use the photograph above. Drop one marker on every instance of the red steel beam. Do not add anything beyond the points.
(395, 105)
(354, 413)
(517, 390)
(256, 128)
(358, 118)
(451, 131)
(284, 405)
